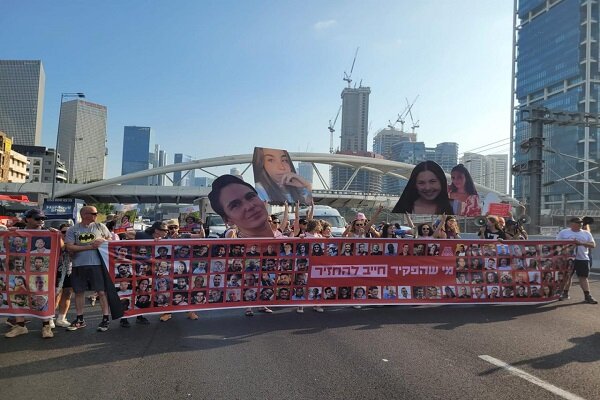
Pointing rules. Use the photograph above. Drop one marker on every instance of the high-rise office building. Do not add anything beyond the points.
(183, 178)
(82, 140)
(136, 152)
(354, 139)
(22, 84)
(446, 155)
(488, 170)
(557, 68)
(387, 137)
(159, 159)
(305, 170)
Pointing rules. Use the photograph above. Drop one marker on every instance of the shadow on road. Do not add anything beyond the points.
(30, 355)
(583, 351)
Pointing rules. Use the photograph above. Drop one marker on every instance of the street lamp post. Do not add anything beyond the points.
(62, 97)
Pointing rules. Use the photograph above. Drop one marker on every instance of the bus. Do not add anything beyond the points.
(13, 206)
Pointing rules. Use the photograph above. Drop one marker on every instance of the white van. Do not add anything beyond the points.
(326, 213)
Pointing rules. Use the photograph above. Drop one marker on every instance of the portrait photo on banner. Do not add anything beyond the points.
(276, 180)
(462, 193)
(426, 191)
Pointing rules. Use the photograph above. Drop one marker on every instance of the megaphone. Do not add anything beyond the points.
(480, 221)
(524, 219)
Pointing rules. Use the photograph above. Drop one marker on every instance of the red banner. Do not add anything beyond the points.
(28, 263)
(499, 209)
(188, 274)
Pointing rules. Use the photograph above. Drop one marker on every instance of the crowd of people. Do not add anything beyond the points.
(239, 204)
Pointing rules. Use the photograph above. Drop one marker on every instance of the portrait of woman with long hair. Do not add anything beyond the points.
(462, 193)
(276, 180)
(426, 191)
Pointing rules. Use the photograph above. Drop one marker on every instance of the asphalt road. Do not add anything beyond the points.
(373, 353)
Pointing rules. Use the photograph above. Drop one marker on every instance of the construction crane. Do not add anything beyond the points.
(348, 77)
(332, 129)
(410, 106)
(402, 115)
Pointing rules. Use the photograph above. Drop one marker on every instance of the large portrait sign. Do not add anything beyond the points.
(189, 274)
(428, 192)
(276, 180)
(28, 260)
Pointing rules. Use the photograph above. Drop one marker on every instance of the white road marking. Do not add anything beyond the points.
(530, 378)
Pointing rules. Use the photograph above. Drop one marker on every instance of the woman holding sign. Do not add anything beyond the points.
(426, 191)
(276, 178)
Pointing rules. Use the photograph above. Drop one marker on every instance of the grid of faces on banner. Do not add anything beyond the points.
(190, 274)
(511, 271)
(27, 268)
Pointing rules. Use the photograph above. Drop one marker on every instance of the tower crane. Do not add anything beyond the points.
(348, 77)
(332, 129)
(409, 112)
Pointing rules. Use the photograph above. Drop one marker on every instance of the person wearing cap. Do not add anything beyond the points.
(237, 202)
(33, 219)
(83, 240)
(584, 241)
(173, 233)
(360, 227)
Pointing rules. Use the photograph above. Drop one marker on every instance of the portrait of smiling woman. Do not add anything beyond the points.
(426, 191)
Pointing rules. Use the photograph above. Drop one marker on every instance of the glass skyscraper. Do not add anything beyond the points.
(22, 85)
(557, 68)
(136, 152)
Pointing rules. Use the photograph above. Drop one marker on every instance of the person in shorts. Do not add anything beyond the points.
(82, 241)
(584, 241)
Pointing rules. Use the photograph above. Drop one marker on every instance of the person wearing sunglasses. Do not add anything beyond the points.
(362, 227)
(82, 241)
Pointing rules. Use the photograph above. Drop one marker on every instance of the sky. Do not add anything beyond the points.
(217, 78)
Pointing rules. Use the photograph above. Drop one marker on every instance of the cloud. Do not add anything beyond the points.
(323, 25)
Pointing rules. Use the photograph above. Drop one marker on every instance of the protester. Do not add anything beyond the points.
(33, 219)
(584, 241)
(83, 240)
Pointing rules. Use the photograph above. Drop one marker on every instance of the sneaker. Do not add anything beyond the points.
(103, 326)
(142, 320)
(47, 332)
(266, 310)
(124, 323)
(11, 322)
(165, 317)
(300, 310)
(564, 296)
(318, 309)
(249, 313)
(357, 307)
(77, 324)
(15, 331)
(589, 299)
(63, 323)
(51, 323)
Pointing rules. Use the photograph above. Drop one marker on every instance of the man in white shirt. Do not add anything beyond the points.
(584, 241)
